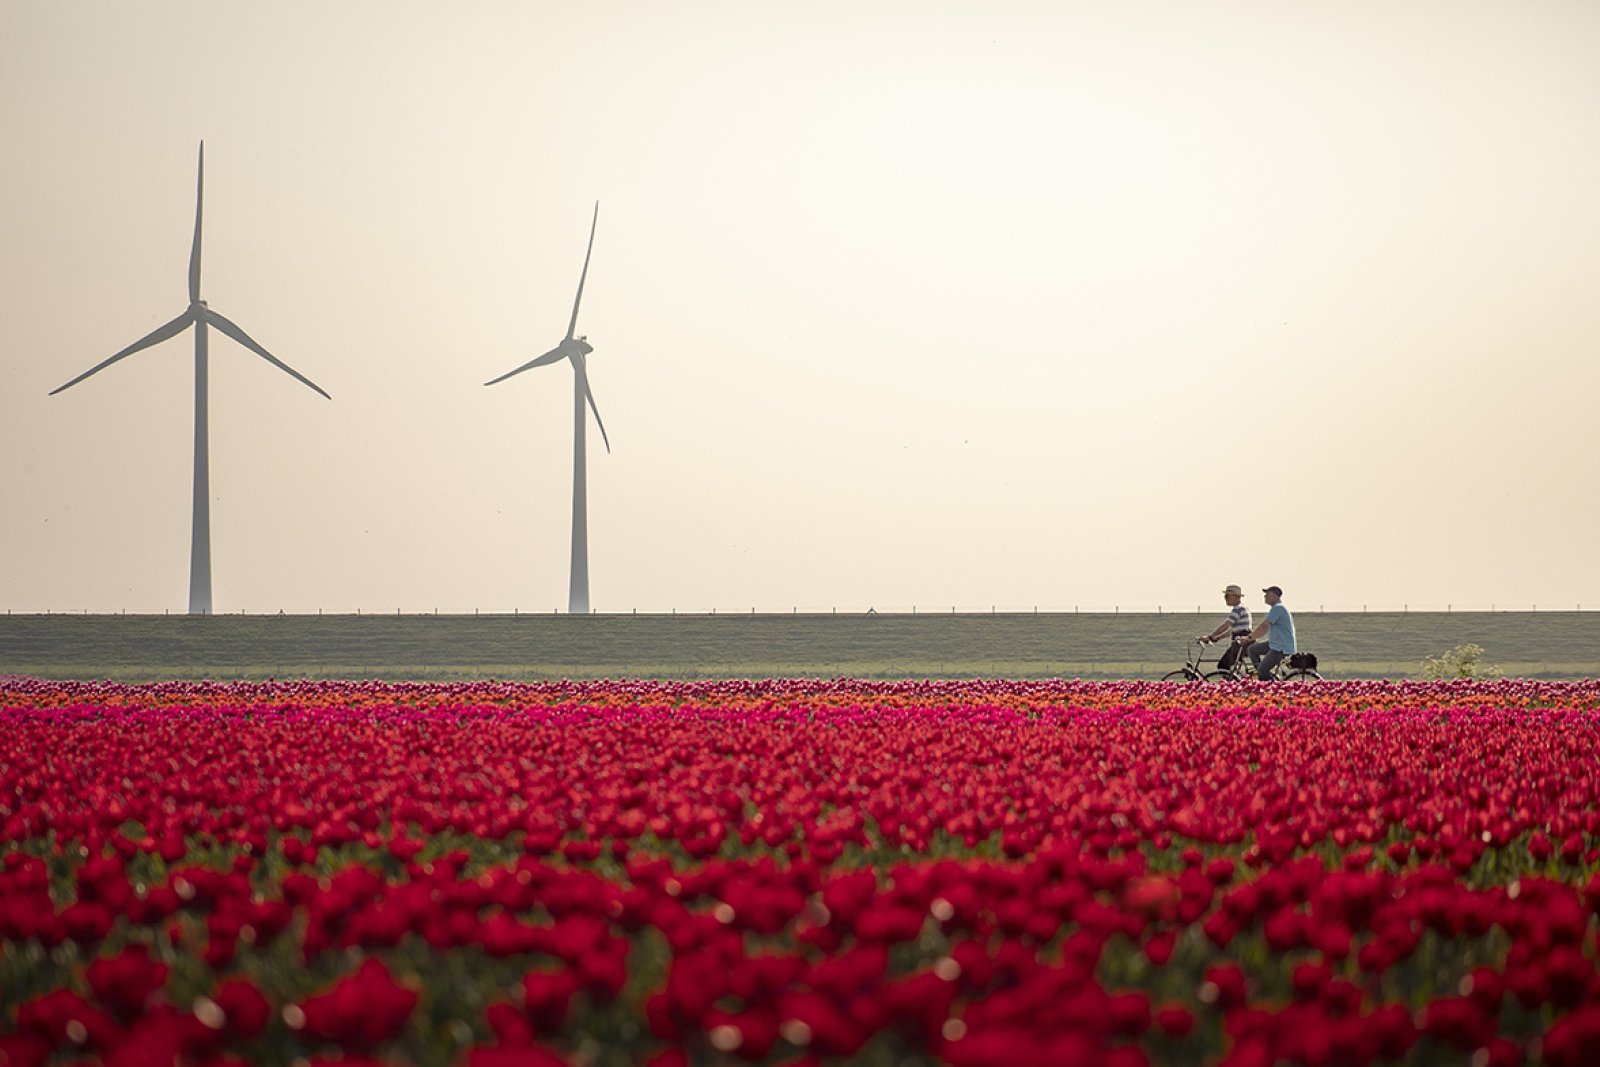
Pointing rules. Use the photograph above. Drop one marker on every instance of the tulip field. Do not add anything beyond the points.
(799, 872)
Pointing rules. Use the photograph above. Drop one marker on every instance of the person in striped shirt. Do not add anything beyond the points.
(1235, 626)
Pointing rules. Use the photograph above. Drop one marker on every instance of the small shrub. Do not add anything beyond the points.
(1463, 661)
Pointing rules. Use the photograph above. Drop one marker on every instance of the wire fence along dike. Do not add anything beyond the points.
(853, 609)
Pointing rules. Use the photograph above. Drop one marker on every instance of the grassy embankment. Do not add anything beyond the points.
(425, 647)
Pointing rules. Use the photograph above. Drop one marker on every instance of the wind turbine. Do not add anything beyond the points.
(200, 316)
(575, 349)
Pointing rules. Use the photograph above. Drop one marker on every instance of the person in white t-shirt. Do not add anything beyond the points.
(1235, 626)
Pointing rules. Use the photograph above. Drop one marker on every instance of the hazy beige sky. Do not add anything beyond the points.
(893, 304)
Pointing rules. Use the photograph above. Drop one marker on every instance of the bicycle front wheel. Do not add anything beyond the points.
(1183, 675)
(1224, 676)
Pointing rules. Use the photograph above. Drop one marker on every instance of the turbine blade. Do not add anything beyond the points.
(573, 325)
(154, 337)
(583, 377)
(549, 357)
(221, 323)
(194, 253)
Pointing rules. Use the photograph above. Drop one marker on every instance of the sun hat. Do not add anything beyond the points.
(1235, 590)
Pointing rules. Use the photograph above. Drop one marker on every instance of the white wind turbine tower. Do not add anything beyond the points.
(200, 316)
(575, 349)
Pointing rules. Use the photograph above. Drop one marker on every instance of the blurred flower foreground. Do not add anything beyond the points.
(799, 872)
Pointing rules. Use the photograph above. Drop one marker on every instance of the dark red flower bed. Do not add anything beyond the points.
(799, 872)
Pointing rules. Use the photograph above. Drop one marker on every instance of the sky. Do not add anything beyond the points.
(935, 305)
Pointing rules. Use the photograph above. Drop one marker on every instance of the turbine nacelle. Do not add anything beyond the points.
(581, 345)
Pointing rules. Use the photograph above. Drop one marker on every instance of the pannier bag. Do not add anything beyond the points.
(1303, 661)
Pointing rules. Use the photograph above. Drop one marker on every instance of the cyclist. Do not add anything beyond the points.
(1278, 628)
(1236, 624)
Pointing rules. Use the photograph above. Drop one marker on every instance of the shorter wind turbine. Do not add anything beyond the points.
(200, 316)
(574, 349)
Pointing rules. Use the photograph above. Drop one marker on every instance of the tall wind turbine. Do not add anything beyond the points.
(575, 349)
(200, 316)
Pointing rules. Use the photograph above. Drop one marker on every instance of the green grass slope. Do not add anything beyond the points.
(422, 647)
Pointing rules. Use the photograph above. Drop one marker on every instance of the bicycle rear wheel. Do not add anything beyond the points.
(1184, 674)
(1302, 676)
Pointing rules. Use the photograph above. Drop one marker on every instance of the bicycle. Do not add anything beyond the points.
(1299, 667)
(1190, 671)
